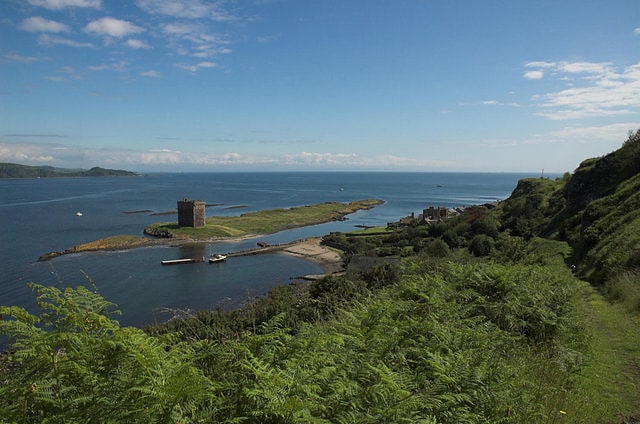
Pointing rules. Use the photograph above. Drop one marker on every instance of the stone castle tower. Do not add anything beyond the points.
(191, 213)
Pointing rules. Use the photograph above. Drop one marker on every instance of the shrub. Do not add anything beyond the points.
(481, 245)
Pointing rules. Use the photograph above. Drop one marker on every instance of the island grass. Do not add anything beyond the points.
(263, 222)
(115, 243)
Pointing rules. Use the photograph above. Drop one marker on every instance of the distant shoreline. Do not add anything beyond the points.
(18, 171)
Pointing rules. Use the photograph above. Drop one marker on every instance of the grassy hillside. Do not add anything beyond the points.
(12, 170)
(596, 210)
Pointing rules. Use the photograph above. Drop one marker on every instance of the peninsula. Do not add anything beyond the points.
(220, 228)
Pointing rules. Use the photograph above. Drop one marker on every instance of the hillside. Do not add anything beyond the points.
(13, 170)
(596, 210)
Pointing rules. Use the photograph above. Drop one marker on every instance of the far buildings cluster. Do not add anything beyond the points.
(429, 215)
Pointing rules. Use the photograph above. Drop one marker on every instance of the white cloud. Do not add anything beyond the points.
(112, 27)
(591, 134)
(596, 90)
(78, 156)
(539, 64)
(195, 38)
(196, 67)
(637, 31)
(585, 67)
(151, 74)
(61, 4)
(118, 66)
(190, 9)
(137, 44)
(347, 160)
(534, 75)
(181, 28)
(14, 57)
(39, 24)
(47, 39)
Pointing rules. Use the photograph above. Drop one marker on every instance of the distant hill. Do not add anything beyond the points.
(596, 209)
(14, 170)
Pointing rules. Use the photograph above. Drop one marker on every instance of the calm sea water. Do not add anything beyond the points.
(39, 216)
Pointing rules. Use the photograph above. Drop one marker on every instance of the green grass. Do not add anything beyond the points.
(265, 222)
(114, 243)
(607, 390)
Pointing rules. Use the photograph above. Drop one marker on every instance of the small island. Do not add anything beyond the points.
(220, 228)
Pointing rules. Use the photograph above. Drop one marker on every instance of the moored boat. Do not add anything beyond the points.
(217, 258)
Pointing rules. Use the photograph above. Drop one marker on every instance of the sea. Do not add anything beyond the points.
(51, 214)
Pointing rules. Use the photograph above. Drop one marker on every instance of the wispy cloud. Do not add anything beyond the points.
(112, 27)
(499, 103)
(137, 44)
(164, 158)
(120, 66)
(534, 75)
(187, 9)
(48, 39)
(14, 57)
(196, 67)
(151, 74)
(590, 134)
(39, 24)
(61, 4)
(596, 90)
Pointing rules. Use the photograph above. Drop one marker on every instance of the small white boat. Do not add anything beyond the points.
(78, 213)
(217, 258)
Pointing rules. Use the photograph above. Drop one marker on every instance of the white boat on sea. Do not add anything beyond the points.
(217, 258)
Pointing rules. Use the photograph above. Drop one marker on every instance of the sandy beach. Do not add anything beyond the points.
(312, 250)
(309, 249)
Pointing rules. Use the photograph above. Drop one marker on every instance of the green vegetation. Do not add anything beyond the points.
(12, 170)
(476, 319)
(262, 222)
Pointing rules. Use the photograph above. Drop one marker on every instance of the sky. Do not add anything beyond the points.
(313, 85)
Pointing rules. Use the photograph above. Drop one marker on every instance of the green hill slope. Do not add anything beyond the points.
(596, 210)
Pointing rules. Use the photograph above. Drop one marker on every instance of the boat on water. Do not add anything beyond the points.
(182, 261)
(217, 258)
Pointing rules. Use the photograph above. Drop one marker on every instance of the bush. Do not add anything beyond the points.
(437, 248)
(481, 245)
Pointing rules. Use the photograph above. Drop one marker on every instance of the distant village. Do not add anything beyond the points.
(428, 215)
(432, 215)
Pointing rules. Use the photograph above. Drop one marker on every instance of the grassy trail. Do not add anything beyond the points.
(608, 390)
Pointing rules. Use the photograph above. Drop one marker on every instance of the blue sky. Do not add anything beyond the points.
(416, 85)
